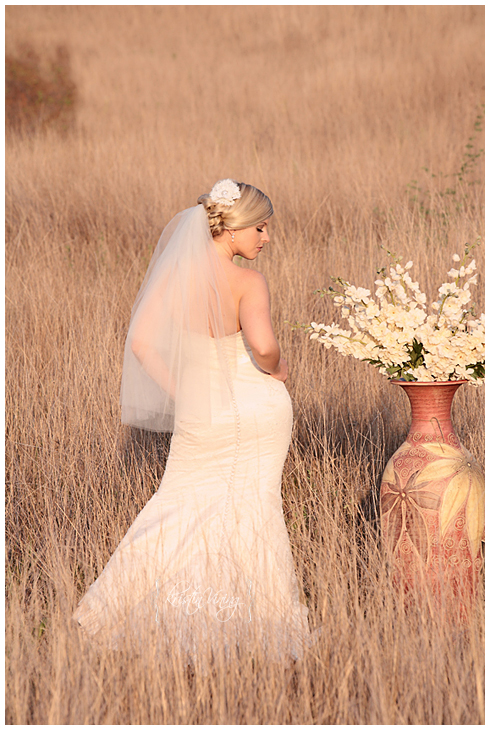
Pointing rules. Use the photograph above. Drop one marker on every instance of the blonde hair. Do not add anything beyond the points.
(251, 208)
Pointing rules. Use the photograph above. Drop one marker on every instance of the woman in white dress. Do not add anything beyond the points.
(208, 560)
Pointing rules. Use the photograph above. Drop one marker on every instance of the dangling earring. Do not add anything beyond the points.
(232, 236)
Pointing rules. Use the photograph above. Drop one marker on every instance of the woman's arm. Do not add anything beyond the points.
(144, 336)
(154, 364)
(255, 320)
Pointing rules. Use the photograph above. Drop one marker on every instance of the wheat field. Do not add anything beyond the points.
(356, 121)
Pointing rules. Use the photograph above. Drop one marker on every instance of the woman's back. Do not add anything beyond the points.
(250, 295)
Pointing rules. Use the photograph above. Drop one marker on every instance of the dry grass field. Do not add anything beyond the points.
(356, 120)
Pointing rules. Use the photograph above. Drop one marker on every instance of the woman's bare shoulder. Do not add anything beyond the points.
(245, 282)
(246, 279)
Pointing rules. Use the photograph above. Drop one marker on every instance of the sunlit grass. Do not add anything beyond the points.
(335, 112)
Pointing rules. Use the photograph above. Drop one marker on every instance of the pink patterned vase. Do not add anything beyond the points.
(432, 504)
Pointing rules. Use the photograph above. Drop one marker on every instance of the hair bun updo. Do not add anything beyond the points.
(215, 213)
(251, 208)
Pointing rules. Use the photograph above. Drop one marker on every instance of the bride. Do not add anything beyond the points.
(208, 559)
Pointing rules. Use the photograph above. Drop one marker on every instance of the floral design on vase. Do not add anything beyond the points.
(432, 501)
(404, 505)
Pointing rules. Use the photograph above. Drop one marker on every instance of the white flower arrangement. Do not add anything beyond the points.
(396, 334)
(225, 192)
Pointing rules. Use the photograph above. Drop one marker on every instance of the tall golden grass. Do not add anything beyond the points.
(355, 121)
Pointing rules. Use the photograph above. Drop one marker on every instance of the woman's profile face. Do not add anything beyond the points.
(249, 241)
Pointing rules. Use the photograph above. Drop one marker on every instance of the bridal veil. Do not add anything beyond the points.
(183, 311)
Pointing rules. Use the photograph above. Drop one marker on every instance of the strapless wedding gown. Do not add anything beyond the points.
(208, 559)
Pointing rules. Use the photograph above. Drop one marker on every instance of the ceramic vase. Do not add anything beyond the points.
(432, 504)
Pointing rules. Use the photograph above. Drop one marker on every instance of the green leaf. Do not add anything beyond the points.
(478, 370)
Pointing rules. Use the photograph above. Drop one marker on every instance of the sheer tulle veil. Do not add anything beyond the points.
(176, 349)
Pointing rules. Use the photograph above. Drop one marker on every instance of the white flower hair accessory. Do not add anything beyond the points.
(225, 192)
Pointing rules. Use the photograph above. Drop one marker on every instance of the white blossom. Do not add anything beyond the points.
(450, 342)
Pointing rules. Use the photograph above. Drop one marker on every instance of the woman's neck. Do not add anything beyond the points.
(224, 249)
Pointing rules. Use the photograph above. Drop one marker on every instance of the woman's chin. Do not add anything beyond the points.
(248, 257)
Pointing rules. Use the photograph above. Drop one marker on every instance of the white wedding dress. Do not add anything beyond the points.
(208, 559)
